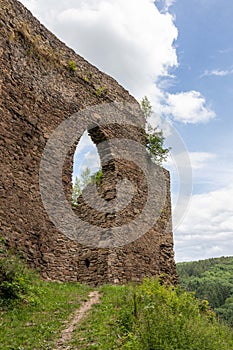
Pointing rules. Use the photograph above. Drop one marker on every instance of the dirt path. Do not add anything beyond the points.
(66, 334)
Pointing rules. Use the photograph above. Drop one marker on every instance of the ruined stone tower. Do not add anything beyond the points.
(39, 91)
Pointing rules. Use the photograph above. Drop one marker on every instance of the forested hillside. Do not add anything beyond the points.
(211, 279)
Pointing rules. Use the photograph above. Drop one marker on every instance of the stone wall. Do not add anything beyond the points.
(38, 92)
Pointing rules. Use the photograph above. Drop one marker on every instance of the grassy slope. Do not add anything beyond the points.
(151, 317)
(146, 317)
(143, 317)
(37, 324)
(32, 311)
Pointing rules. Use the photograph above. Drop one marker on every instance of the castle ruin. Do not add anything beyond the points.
(39, 91)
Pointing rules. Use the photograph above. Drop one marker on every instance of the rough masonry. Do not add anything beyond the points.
(39, 90)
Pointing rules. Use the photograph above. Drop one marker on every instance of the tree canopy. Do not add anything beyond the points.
(211, 279)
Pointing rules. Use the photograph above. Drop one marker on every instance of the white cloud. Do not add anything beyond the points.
(207, 229)
(217, 73)
(91, 161)
(211, 171)
(226, 51)
(84, 143)
(188, 107)
(130, 40)
(166, 3)
(201, 159)
(189, 174)
(198, 159)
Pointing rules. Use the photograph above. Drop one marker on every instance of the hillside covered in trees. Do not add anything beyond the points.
(211, 279)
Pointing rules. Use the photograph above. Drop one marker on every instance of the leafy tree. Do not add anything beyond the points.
(97, 177)
(225, 312)
(85, 179)
(76, 190)
(155, 138)
(146, 107)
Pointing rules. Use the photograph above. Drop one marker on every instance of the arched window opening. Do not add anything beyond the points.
(86, 166)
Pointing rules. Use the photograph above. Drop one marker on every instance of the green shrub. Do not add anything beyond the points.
(97, 177)
(72, 66)
(101, 91)
(85, 78)
(169, 319)
(155, 139)
(150, 316)
(17, 282)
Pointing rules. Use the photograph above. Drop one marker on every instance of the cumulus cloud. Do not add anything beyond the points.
(194, 167)
(132, 41)
(198, 160)
(84, 143)
(188, 107)
(208, 227)
(211, 171)
(165, 4)
(201, 159)
(91, 161)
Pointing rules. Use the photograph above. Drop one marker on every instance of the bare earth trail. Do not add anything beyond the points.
(66, 334)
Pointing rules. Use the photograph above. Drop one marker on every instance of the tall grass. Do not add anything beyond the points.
(152, 317)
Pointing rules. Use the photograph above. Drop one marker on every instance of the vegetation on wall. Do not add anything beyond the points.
(101, 91)
(72, 66)
(211, 279)
(155, 138)
(155, 148)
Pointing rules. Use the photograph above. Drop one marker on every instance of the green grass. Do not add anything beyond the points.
(151, 317)
(37, 325)
(99, 330)
(147, 316)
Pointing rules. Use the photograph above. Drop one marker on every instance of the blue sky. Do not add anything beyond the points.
(205, 50)
(178, 53)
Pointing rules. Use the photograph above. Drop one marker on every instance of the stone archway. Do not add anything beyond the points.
(38, 93)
